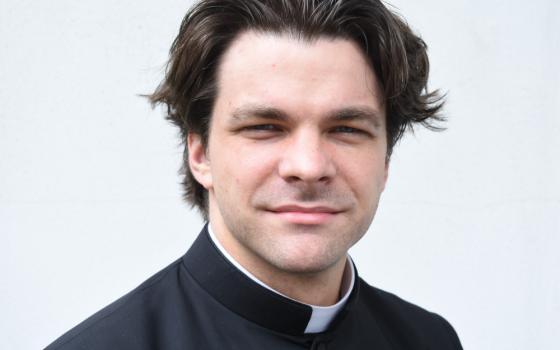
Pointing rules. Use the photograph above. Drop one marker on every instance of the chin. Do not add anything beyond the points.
(307, 269)
(305, 257)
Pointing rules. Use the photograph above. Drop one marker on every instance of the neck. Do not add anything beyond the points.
(317, 288)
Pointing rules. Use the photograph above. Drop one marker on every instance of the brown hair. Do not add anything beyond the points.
(397, 56)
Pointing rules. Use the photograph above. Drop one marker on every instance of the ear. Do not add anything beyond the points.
(199, 163)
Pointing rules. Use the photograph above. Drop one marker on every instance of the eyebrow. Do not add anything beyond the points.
(258, 111)
(366, 114)
(359, 113)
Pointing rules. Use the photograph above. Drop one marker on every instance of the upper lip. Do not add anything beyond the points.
(305, 209)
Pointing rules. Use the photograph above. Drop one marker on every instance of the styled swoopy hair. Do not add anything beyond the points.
(398, 58)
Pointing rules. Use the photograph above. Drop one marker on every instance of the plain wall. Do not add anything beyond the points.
(90, 201)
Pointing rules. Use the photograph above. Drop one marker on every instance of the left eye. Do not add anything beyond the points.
(347, 130)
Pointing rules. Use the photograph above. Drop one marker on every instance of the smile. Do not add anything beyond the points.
(304, 215)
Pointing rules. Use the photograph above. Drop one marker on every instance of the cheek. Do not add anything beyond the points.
(243, 168)
(366, 177)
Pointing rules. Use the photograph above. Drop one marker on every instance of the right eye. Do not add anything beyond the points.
(262, 127)
(261, 131)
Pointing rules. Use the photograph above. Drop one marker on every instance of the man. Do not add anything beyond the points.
(289, 111)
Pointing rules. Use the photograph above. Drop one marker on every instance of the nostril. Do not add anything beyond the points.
(306, 161)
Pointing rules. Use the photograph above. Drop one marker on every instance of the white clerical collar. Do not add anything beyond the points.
(321, 316)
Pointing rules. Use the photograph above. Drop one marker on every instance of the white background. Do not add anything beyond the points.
(90, 201)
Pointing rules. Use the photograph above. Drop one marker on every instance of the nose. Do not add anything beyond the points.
(306, 159)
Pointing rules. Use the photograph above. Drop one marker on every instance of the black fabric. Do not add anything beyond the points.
(202, 301)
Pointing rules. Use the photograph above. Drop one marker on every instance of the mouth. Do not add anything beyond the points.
(301, 215)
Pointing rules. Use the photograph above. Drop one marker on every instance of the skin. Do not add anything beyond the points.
(296, 159)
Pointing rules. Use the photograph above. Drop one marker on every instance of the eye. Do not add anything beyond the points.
(347, 130)
(262, 127)
(261, 131)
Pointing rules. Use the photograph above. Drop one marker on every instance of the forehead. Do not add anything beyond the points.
(295, 75)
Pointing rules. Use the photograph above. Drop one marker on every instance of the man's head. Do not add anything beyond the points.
(295, 161)
(395, 55)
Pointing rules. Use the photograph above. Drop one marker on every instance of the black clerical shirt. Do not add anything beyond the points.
(202, 301)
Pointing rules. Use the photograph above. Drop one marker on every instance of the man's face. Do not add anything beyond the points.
(296, 157)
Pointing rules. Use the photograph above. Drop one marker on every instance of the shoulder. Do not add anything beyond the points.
(127, 320)
(407, 322)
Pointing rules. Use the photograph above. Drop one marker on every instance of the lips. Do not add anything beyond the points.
(296, 214)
